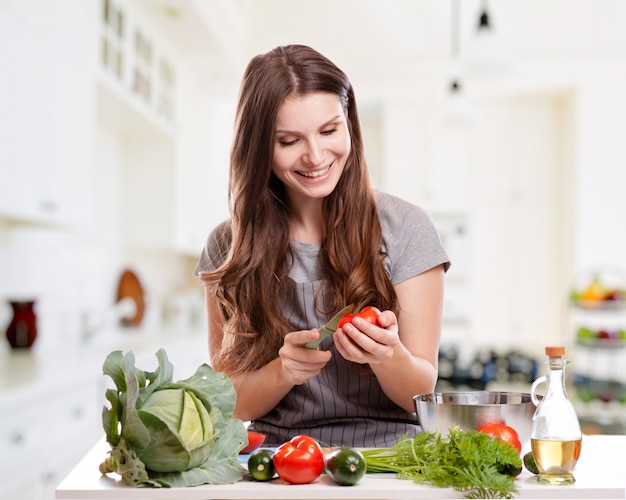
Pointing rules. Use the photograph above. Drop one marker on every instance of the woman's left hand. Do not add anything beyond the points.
(363, 342)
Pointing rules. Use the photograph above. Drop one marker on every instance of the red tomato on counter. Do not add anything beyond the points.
(255, 439)
(299, 460)
(369, 314)
(504, 433)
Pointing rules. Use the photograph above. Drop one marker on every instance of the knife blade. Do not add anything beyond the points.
(330, 327)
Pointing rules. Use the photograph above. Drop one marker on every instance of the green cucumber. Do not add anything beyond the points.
(345, 466)
(261, 465)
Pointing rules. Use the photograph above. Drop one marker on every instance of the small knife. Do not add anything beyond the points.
(330, 327)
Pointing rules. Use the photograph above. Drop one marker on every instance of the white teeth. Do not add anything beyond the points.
(313, 175)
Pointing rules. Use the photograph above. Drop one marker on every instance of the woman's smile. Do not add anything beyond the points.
(315, 174)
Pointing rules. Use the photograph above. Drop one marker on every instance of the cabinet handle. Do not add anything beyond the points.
(48, 206)
(17, 438)
(48, 477)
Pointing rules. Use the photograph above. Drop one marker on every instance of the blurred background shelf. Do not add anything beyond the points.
(598, 325)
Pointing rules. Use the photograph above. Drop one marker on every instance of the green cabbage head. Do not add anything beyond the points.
(180, 431)
(165, 433)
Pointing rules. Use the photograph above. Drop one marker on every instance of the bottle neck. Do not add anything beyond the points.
(556, 378)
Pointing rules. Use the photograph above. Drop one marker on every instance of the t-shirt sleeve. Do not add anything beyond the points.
(410, 239)
(215, 250)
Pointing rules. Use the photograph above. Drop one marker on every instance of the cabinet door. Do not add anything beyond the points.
(45, 122)
(66, 176)
(147, 193)
(22, 488)
(518, 208)
(22, 431)
(43, 435)
(202, 168)
(23, 115)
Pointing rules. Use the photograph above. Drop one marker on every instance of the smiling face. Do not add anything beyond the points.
(312, 144)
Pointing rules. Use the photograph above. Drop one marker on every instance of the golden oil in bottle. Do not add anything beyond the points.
(556, 460)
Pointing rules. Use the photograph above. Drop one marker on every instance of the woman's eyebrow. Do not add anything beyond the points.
(325, 124)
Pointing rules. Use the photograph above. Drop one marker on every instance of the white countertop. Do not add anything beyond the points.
(600, 473)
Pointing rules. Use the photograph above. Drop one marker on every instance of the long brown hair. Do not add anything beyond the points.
(253, 282)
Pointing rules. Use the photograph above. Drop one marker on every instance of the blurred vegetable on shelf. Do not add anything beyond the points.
(600, 292)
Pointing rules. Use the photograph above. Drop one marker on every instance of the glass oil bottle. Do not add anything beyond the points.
(556, 438)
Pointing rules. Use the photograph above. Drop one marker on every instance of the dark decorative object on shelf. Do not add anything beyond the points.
(22, 331)
(485, 367)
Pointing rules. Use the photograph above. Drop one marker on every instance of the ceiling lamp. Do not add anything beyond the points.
(457, 109)
(487, 55)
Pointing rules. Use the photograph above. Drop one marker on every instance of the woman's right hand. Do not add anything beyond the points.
(300, 363)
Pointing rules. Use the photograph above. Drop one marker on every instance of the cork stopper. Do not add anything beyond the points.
(554, 351)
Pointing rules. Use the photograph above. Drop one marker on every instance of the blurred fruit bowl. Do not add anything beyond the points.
(599, 292)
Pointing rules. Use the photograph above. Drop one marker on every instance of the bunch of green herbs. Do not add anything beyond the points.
(467, 461)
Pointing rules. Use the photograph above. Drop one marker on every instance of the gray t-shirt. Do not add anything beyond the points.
(344, 404)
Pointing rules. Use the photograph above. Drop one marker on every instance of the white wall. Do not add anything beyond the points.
(601, 177)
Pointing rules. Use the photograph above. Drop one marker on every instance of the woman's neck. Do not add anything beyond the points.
(307, 222)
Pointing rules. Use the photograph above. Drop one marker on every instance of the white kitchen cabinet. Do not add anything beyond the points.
(46, 119)
(172, 165)
(202, 165)
(451, 153)
(76, 65)
(519, 206)
(147, 202)
(49, 418)
(25, 111)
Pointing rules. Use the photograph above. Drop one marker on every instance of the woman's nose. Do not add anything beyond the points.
(313, 154)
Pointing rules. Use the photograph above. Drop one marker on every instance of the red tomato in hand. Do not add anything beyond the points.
(299, 460)
(368, 314)
(255, 439)
(504, 433)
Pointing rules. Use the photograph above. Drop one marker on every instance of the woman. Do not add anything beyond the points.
(307, 236)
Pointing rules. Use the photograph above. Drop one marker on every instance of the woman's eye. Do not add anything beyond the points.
(329, 132)
(283, 142)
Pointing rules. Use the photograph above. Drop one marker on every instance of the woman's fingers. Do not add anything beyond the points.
(300, 363)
